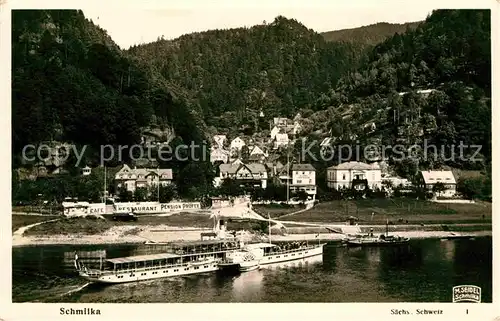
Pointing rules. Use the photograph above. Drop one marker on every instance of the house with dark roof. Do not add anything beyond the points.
(133, 178)
(354, 175)
(252, 174)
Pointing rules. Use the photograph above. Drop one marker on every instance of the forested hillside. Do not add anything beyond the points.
(371, 34)
(71, 82)
(278, 68)
(431, 85)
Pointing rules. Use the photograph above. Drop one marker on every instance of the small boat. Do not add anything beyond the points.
(370, 239)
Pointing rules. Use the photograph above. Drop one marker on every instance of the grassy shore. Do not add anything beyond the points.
(93, 226)
(396, 211)
(276, 210)
(24, 220)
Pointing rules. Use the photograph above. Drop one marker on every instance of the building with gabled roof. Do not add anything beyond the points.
(252, 174)
(135, 178)
(428, 179)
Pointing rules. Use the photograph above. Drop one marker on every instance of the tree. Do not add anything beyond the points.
(124, 195)
(438, 188)
(140, 194)
(167, 193)
(302, 196)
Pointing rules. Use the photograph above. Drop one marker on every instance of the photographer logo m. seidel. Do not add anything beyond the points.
(466, 293)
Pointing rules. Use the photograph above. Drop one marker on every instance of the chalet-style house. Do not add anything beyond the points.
(356, 175)
(428, 179)
(252, 174)
(135, 178)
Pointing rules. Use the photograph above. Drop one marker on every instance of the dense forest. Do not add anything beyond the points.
(371, 34)
(72, 83)
(277, 68)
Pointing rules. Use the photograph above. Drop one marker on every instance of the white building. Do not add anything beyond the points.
(253, 174)
(135, 178)
(220, 140)
(237, 144)
(430, 178)
(218, 154)
(343, 175)
(86, 171)
(281, 140)
(275, 131)
(303, 179)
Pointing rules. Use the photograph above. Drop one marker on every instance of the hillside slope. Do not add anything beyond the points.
(427, 87)
(371, 34)
(71, 82)
(278, 68)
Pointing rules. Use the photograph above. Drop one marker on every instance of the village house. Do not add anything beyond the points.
(293, 129)
(428, 179)
(283, 175)
(275, 131)
(252, 174)
(303, 179)
(218, 154)
(281, 141)
(237, 144)
(280, 122)
(86, 171)
(135, 178)
(356, 175)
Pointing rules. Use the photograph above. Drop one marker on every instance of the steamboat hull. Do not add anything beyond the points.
(377, 243)
(160, 273)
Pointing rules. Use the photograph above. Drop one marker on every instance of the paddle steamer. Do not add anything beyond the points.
(183, 259)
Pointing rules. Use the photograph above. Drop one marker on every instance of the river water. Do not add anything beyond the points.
(422, 271)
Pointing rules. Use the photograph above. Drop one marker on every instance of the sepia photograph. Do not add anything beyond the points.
(251, 154)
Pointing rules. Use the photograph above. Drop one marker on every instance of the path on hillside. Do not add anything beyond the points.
(17, 236)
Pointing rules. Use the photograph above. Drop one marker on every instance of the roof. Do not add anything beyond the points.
(257, 150)
(141, 258)
(303, 167)
(166, 172)
(196, 243)
(260, 245)
(356, 166)
(229, 168)
(432, 177)
(326, 141)
(256, 168)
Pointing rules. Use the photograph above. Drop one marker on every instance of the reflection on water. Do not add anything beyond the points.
(423, 271)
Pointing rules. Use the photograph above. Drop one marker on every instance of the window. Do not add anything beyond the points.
(343, 177)
(299, 181)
